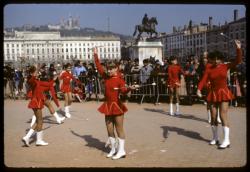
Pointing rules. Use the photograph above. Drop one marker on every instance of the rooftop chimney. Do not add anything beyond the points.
(235, 15)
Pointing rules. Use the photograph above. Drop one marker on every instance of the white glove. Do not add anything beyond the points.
(199, 93)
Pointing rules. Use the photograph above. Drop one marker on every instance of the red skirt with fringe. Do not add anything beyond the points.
(220, 95)
(36, 103)
(112, 108)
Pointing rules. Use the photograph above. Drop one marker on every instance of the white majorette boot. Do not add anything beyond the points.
(26, 139)
(215, 135)
(171, 109)
(67, 114)
(209, 116)
(226, 142)
(39, 140)
(58, 118)
(218, 117)
(177, 112)
(121, 152)
(33, 120)
(112, 142)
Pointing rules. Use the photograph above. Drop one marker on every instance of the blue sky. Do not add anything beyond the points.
(122, 17)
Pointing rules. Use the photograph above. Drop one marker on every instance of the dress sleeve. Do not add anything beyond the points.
(46, 83)
(203, 81)
(62, 76)
(73, 78)
(124, 90)
(53, 94)
(181, 70)
(98, 65)
(238, 59)
(32, 82)
(170, 76)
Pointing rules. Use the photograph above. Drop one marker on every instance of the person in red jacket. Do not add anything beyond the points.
(47, 102)
(219, 94)
(113, 108)
(66, 77)
(36, 104)
(174, 71)
(206, 65)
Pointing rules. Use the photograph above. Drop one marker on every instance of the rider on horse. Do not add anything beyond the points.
(148, 26)
(145, 20)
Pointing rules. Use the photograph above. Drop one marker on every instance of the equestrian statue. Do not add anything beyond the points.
(148, 26)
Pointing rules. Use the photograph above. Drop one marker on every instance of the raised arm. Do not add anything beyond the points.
(98, 64)
(238, 59)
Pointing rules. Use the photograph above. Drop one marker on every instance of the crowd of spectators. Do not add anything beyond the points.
(151, 71)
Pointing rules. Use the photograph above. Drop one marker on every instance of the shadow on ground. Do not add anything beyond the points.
(191, 134)
(92, 142)
(184, 116)
(46, 119)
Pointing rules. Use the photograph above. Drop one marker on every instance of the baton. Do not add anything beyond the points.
(153, 84)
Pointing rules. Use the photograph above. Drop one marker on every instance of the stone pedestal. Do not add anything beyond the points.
(146, 49)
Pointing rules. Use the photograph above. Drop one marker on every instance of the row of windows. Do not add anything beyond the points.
(189, 43)
(194, 43)
(59, 45)
(198, 49)
(67, 50)
(187, 38)
(92, 44)
(194, 36)
(181, 38)
(67, 57)
(237, 27)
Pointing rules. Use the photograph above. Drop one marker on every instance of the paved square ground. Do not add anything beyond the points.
(153, 138)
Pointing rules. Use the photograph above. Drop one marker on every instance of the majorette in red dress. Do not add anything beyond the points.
(217, 75)
(112, 105)
(38, 87)
(66, 76)
(174, 71)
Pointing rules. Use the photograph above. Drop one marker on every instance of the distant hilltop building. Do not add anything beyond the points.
(70, 24)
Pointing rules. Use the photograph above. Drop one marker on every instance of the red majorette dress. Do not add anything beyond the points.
(217, 75)
(52, 93)
(173, 76)
(112, 105)
(38, 87)
(66, 77)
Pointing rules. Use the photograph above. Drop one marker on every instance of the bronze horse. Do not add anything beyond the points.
(146, 28)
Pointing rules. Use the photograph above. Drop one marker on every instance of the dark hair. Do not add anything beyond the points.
(68, 65)
(215, 54)
(51, 65)
(172, 58)
(111, 65)
(32, 69)
(43, 66)
(145, 61)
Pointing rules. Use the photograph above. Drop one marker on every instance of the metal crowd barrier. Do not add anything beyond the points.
(153, 92)
(92, 85)
(159, 90)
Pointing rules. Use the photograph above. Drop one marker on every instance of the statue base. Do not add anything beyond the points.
(146, 49)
